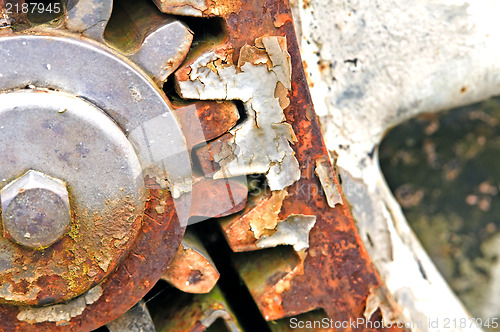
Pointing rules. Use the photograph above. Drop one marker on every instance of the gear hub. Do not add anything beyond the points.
(89, 146)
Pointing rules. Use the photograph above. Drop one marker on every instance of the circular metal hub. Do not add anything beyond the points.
(68, 138)
(109, 134)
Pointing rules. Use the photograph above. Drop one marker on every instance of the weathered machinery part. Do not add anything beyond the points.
(35, 196)
(156, 42)
(142, 164)
(136, 274)
(215, 119)
(125, 106)
(136, 319)
(337, 274)
(347, 76)
(230, 196)
(195, 312)
(192, 270)
(259, 217)
(100, 184)
(89, 18)
(159, 43)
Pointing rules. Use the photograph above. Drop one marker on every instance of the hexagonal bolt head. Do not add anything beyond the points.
(35, 210)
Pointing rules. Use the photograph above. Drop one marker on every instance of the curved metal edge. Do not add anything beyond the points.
(136, 103)
(89, 17)
(155, 247)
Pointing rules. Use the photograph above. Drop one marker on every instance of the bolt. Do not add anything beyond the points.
(35, 210)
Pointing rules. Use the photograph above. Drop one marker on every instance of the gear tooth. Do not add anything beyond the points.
(89, 17)
(136, 318)
(154, 55)
(155, 41)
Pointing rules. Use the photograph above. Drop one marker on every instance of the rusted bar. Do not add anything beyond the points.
(208, 154)
(192, 270)
(214, 117)
(215, 198)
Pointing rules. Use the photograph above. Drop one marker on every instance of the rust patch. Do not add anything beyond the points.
(191, 270)
(71, 266)
(222, 7)
(259, 217)
(217, 198)
(205, 120)
(337, 274)
(154, 247)
(281, 19)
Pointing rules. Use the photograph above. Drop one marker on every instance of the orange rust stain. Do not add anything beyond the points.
(21, 287)
(222, 7)
(191, 272)
(322, 66)
(281, 19)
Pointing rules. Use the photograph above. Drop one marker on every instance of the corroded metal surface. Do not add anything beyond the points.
(140, 109)
(158, 43)
(335, 273)
(261, 144)
(327, 268)
(207, 154)
(104, 178)
(214, 118)
(192, 270)
(134, 277)
(112, 146)
(259, 217)
(218, 198)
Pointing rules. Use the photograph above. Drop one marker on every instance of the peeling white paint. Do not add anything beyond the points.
(261, 144)
(60, 312)
(183, 7)
(379, 299)
(262, 223)
(294, 230)
(326, 178)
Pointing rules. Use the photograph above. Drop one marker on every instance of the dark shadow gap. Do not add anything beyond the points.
(230, 283)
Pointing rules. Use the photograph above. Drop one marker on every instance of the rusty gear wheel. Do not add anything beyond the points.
(95, 172)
